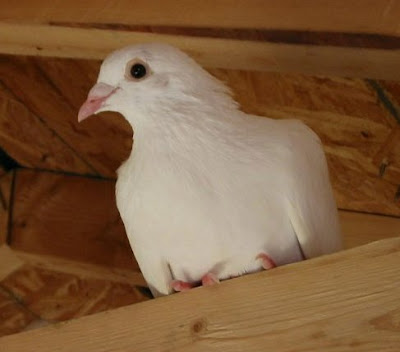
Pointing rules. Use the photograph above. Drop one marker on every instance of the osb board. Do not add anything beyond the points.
(28, 139)
(69, 216)
(38, 86)
(350, 120)
(392, 88)
(14, 317)
(32, 294)
(347, 114)
(5, 204)
(346, 302)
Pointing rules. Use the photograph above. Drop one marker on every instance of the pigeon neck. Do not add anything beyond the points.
(185, 133)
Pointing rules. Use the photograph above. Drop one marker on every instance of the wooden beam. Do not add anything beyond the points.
(359, 229)
(368, 16)
(45, 40)
(347, 301)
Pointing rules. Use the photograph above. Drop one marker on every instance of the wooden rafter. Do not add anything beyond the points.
(58, 41)
(368, 16)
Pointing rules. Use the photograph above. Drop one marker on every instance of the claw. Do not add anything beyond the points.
(209, 279)
(180, 286)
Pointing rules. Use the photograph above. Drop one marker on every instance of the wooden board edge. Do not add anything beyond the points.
(57, 41)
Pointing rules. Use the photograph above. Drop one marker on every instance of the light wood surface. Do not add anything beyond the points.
(359, 229)
(347, 301)
(58, 41)
(340, 15)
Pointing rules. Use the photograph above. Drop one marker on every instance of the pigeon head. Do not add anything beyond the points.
(152, 79)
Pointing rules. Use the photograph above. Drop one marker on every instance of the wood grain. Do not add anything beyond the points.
(54, 296)
(325, 304)
(71, 217)
(9, 262)
(14, 317)
(81, 269)
(5, 198)
(31, 142)
(23, 76)
(348, 117)
(356, 16)
(359, 229)
(58, 41)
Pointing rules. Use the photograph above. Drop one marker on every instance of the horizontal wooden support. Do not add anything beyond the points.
(346, 301)
(359, 229)
(368, 16)
(45, 40)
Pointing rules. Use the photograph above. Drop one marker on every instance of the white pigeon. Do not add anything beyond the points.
(209, 192)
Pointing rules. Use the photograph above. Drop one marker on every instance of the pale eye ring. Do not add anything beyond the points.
(136, 70)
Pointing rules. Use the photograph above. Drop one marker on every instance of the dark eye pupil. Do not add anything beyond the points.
(138, 71)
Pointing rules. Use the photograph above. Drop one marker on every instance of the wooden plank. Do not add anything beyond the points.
(359, 229)
(45, 40)
(31, 142)
(356, 16)
(319, 305)
(69, 217)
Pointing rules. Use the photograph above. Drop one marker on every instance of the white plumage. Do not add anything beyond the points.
(207, 187)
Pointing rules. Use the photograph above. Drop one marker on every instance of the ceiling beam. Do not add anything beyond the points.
(45, 40)
(357, 16)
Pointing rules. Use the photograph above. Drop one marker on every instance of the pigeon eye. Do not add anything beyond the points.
(138, 71)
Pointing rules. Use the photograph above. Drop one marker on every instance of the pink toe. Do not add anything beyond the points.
(209, 279)
(180, 286)
(267, 262)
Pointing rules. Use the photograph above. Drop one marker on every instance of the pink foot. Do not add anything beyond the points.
(179, 286)
(266, 262)
(209, 279)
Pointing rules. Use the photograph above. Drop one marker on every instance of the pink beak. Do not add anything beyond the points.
(95, 100)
